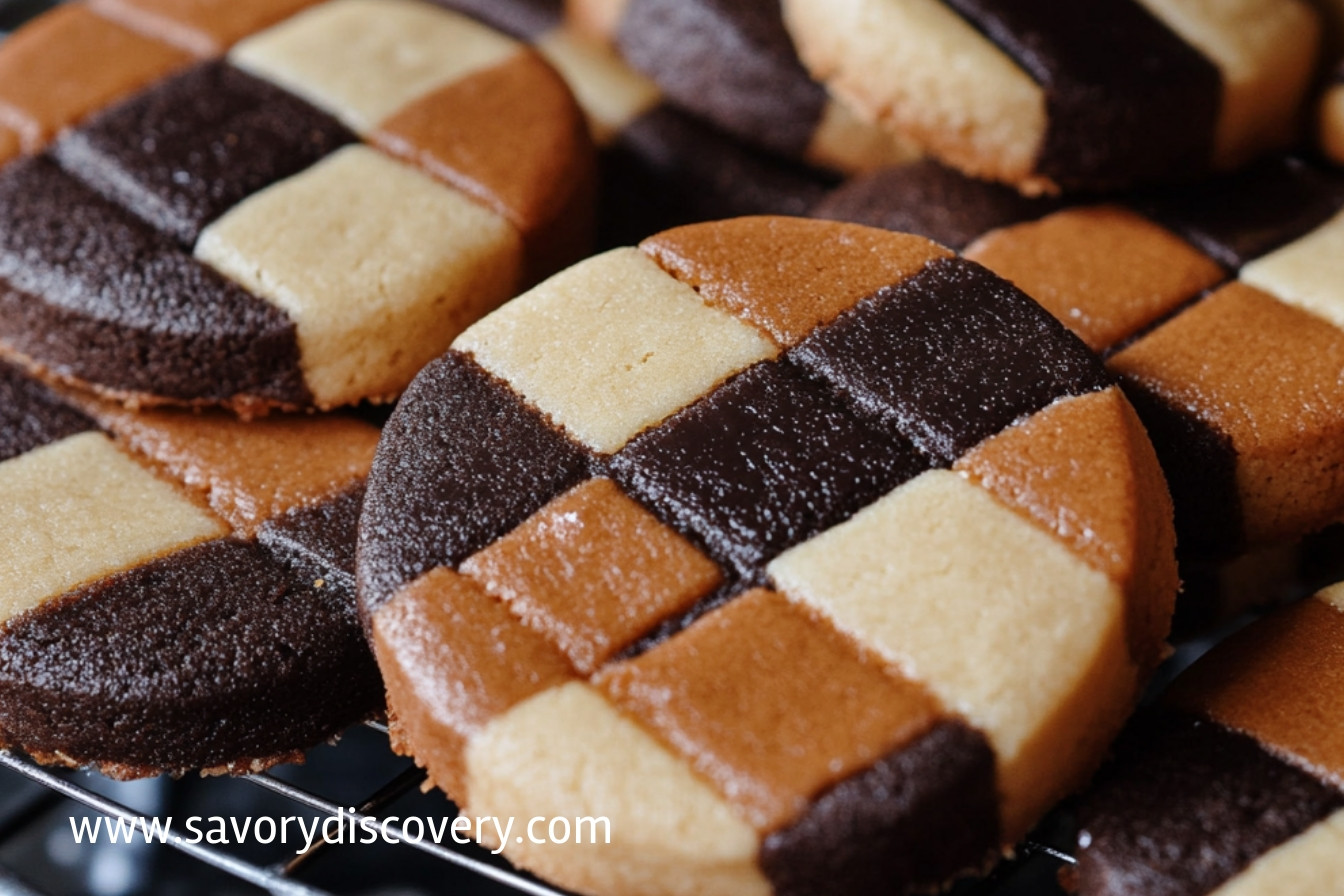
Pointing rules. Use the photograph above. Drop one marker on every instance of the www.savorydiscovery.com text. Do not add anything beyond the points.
(342, 828)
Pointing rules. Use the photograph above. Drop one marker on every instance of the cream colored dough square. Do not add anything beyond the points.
(1312, 862)
(364, 60)
(612, 346)
(1308, 273)
(378, 265)
(611, 93)
(569, 753)
(1000, 620)
(80, 509)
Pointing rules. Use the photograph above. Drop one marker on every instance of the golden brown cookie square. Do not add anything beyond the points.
(417, 639)
(770, 703)
(1104, 271)
(254, 473)
(1032, 467)
(1265, 376)
(593, 571)
(1280, 681)
(778, 276)
(510, 164)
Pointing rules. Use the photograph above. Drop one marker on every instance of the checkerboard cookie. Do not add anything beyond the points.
(176, 590)
(1220, 308)
(1049, 96)
(303, 221)
(1236, 787)
(818, 559)
(734, 65)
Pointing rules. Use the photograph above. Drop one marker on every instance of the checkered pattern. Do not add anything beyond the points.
(1217, 306)
(108, 510)
(482, 177)
(726, 452)
(1249, 734)
(1048, 98)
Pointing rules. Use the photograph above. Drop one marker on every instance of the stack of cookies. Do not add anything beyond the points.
(240, 210)
(802, 409)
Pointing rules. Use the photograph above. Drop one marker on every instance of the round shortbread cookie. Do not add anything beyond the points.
(814, 557)
(1219, 307)
(1235, 786)
(304, 221)
(176, 590)
(734, 65)
(1048, 95)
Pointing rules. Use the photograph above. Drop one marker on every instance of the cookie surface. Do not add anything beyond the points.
(1236, 786)
(733, 64)
(659, 166)
(1047, 97)
(649, 516)
(176, 590)
(304, 221)
(1217, 306)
